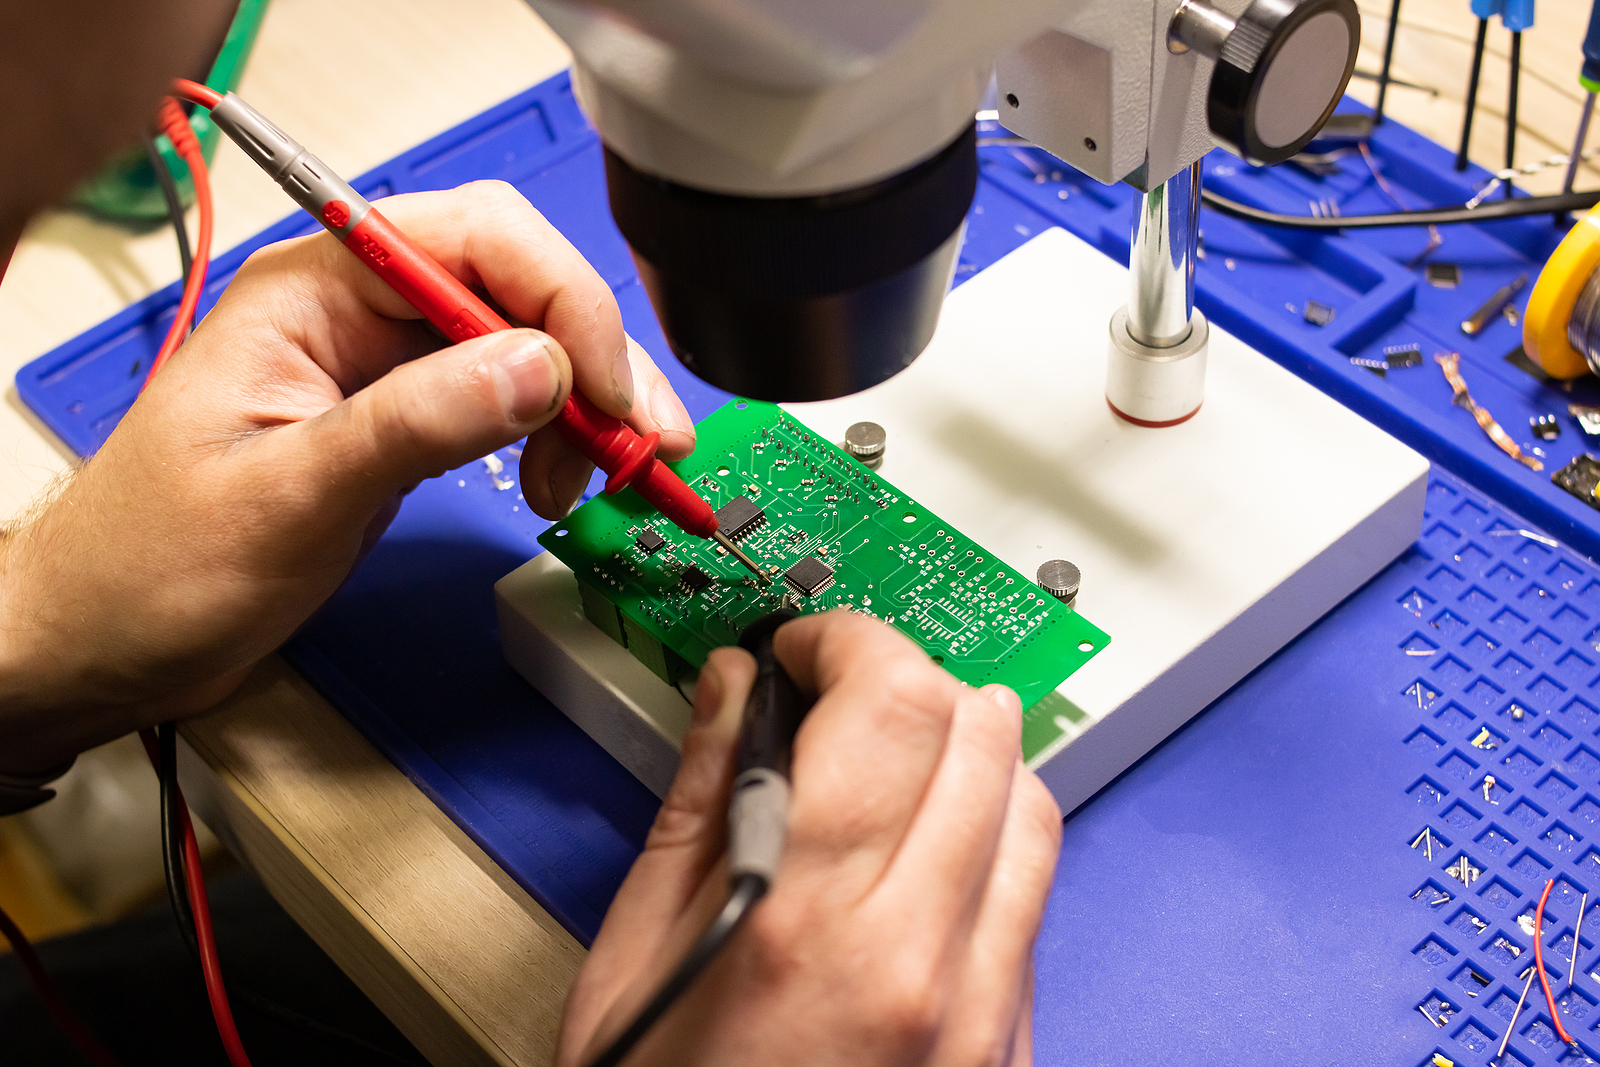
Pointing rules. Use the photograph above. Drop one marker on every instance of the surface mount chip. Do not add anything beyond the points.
(738, 517)
(649, 542)
(841, 538)
(809, 577)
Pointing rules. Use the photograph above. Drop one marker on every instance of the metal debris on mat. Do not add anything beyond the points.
(1530, 535)
(1484, 740)
(1450, 363)
(1588, 418)
(1435, 238)
(496, 466)
(1577, 933)
(1544, 427)
(1425, 838)
(1529, 973)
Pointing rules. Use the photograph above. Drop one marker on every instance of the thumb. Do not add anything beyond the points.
(652, 909)
(445, 409)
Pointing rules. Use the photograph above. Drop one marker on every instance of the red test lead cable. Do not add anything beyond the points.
(628, 459)
(175, 124)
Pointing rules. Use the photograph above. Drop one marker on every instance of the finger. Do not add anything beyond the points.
(489, 236)
(992, 997)
(684, 845)
(657, 407)
(947, 857)
(554, 474)
(1022, 1040)
(869, 748)
(436, 413)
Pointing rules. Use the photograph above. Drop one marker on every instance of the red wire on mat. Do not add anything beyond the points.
(210, 964)
(67, 1019)
(1538, 962)
(175, 124)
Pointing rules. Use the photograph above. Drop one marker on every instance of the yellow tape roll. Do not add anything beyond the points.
(1544, 324)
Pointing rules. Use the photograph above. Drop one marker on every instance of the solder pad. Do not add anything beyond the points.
(892, 558)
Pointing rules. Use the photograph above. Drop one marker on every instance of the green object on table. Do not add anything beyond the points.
(837, 535)
(126, 189)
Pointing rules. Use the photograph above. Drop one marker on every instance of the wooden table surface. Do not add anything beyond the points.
(463, 961)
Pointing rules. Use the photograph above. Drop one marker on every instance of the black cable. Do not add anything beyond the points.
(1472, 92)
(1511, 109)
(746, 891)
(173, 866)
(1521, 207)
(169, 192)
(1388, 60)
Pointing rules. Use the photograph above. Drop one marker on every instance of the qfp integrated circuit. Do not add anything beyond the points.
(809, 577)
(836, 535)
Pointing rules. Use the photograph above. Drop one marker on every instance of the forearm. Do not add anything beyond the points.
(50, 707)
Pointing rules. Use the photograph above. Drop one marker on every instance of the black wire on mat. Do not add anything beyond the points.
(1521, 207)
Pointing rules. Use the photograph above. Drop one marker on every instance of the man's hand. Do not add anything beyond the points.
(274, 448)
(900, 926)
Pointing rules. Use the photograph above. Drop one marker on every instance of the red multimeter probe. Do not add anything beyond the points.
(628, 459)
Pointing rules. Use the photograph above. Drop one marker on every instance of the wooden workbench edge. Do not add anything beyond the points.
(457, 955)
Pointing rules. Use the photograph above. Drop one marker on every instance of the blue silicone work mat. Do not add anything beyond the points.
(1252, 933)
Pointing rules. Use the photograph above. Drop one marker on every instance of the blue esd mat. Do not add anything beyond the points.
(1244, 895)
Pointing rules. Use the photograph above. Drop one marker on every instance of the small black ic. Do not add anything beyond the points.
(809, 577)
(649, 541)
(1318, 314)
(738, 517)
(695, 579)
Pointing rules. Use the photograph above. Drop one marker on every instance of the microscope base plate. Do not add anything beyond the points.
(1204, 547)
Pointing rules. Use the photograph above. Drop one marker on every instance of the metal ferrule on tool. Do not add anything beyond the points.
(311, 182)
(758, 823)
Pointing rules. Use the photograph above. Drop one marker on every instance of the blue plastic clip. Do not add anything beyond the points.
(1516, 14)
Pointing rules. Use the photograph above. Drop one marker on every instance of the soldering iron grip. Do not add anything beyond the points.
(758, 813)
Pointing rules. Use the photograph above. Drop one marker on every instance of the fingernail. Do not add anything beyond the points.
(622, 376)
(526, 375)
(1005, 698)
(568, 478)
(669, 412)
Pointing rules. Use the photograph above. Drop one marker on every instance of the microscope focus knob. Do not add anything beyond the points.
(1281, 68)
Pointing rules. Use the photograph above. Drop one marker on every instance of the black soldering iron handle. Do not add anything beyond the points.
(758, 814)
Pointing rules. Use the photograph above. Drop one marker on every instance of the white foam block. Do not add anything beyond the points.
(1204, 547)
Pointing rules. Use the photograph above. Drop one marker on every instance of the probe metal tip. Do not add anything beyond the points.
(739, 554)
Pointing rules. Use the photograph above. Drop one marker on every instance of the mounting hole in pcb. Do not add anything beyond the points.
(938, 659)
(741, 405)
(909, 516)
(561, 533)
(1085, 646)
(723, 472)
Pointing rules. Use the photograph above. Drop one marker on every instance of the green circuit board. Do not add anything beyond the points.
(836, 535)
